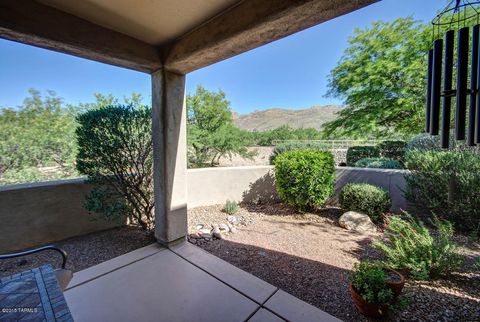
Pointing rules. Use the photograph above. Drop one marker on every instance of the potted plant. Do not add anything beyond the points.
(370, 290)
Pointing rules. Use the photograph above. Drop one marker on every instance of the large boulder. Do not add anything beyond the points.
(356, 221)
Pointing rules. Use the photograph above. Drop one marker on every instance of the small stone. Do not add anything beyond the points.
(204, 231)
(233, 230)
(215, 230)
(195, 235)
(199, 226)
(232, 219)
(223, 227)
(207, 236)
(352, 220)
(217, 235)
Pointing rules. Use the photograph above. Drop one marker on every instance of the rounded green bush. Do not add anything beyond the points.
(305, 178)
(379, 163)
(365, 198)
(355, 153)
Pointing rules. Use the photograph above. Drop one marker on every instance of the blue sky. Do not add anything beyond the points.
(289, 73)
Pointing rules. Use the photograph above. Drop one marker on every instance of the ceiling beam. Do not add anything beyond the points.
(248, 25)
(32, 23)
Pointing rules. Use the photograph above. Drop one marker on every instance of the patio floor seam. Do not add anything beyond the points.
(217, 278)
(265, 308)
(113, 270)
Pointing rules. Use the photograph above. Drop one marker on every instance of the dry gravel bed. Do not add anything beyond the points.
(83, 251)
(309, 256)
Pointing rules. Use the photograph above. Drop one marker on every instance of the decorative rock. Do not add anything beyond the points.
(223, 227)
(233, 230)
(231, 219)
(195, 235)
(352, 220)
(206, 236)
(199, 226)
(215, 230)
(204, 231)
(217, 235)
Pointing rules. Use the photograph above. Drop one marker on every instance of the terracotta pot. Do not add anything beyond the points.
(373, 310)
(396, 286)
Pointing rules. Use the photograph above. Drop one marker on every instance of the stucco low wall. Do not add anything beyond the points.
(215, 185)
(41, 213)
(38, 213)
(211, 186)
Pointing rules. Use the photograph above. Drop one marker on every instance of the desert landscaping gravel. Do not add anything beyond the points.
(83, 251)
(310, 256)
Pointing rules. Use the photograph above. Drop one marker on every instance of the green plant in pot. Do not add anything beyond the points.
(374, 288)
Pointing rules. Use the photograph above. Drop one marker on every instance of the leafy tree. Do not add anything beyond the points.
(38, 134)
(211, 133)
(381, 77)
(115, 152)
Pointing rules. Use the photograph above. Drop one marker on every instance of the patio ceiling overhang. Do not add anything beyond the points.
(178, 35)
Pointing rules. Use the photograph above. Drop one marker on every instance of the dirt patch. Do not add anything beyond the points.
(83, 251)
(310, 256)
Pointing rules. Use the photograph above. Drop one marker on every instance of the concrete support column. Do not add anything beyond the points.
(169, 132)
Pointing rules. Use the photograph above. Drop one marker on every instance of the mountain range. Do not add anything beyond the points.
(313, 117)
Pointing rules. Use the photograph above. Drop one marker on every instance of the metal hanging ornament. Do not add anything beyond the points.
(455, 18)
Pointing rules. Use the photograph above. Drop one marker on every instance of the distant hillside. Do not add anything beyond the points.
(313, 117)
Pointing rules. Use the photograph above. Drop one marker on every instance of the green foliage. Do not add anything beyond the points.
(355, 153)
(289, 146)
(231, 207)
(423, 142)
(381, 76)
(476, 264)
(412, 247)
(445, 183)
(380, 163)
(210, 132)
(394, 150)
(283, 133)
(365, 198)
(36, 137)
(115, 152)
(370, 281)
(305, 178)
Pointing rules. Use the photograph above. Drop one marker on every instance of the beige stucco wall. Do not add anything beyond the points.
(38, 213)
(215, 185)
(211, 186)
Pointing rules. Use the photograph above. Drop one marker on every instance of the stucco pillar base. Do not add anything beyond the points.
(170, 156)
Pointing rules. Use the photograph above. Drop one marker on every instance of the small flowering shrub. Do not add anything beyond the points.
(410, 246)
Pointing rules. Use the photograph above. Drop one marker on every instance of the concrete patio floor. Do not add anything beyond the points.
(182, 283)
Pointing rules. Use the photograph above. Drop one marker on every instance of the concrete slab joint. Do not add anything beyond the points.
(169, 153)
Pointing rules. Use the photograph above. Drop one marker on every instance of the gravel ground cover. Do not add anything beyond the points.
(309, 256)
(83, 251)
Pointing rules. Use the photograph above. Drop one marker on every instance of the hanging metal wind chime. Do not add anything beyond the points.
(456, 16)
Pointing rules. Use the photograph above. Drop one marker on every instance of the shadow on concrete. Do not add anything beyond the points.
(326, 286)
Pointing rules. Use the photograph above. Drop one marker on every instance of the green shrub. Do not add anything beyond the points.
(115, 152)
(370, 282)
(412, 247)
(290, 146)
(365, 198)
(423, 142)
(394, 150)
(356, 153)
(379, 163)
(445, 183)
(305, 178)
(231, 207)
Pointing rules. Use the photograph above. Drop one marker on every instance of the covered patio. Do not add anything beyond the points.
(171, 281)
